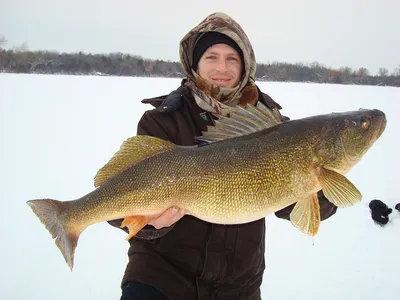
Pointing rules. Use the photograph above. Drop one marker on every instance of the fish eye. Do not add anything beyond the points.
(365, 123)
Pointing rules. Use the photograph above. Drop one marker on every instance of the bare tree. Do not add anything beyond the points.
(396, 71)
(383, 72)
(21, 48)
(3, 41)
(362, 72)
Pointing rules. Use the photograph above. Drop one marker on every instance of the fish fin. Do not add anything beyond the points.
(48, 211)
(135, 224)
(338, 189)
(133, 150)
(306, 215)
(241, 121)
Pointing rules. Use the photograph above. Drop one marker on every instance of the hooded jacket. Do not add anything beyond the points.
(194, 259)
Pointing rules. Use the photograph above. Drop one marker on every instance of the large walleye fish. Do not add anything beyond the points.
(252, 166)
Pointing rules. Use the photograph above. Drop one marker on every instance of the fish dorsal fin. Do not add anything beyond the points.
(132, 150)
(241, 121)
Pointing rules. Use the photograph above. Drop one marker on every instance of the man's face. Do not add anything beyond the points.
(221, 65)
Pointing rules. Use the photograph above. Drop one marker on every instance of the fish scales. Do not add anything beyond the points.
(222, 185)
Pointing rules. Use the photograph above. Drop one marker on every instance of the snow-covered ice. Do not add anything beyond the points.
(57, 131)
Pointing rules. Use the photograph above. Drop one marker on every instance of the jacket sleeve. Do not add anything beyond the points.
(149, 125)
(326, 208)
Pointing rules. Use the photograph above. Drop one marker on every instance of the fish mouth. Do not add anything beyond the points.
(382, 124)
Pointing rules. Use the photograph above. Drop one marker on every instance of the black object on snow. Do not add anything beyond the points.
(397, 206)
(380, 211)
(380, 207)
(381, 219)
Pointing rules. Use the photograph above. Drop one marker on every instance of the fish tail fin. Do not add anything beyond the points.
(49, 213)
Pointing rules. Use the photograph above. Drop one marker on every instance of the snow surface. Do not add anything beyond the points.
(57, 131)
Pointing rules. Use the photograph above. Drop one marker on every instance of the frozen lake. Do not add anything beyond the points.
(57, 131)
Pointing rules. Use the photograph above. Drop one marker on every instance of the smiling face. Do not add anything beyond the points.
(221, 65)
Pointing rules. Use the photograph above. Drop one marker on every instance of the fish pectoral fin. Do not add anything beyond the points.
(338, 189)
(306, 215)
(135, 224)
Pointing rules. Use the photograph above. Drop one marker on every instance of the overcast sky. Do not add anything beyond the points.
(354, 33)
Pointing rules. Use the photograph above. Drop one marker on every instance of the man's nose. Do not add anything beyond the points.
(221, 65)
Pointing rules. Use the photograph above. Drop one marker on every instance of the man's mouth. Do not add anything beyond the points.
(221, 79)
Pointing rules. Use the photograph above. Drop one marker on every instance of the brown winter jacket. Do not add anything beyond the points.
(194, 259)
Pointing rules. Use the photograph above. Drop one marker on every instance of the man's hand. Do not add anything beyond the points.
(168, 217)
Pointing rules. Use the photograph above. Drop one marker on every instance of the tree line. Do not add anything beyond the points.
(21, 60)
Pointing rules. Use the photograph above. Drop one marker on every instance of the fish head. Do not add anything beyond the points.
(346, 138)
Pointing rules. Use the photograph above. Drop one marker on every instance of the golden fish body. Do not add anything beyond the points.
(237, 178)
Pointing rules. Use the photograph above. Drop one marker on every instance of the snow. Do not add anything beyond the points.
(57, 131)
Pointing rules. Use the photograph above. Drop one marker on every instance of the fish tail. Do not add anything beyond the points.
(50, 213)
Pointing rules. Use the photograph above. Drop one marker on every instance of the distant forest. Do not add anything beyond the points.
(21, 60)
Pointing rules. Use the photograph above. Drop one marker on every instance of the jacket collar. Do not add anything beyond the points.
(174, 100)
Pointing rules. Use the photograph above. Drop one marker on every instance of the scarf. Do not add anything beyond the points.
(208, 96)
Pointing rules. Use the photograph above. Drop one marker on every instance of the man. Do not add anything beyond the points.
(182, 257)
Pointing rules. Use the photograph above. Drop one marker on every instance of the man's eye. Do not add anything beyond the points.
(233, 58)
(211, 57)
